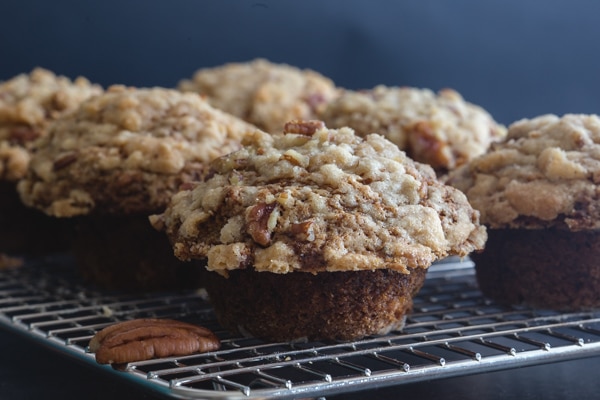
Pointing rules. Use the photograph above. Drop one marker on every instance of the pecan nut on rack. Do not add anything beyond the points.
(144, 339)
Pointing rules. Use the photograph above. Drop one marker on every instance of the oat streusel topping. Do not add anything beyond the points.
(263, 93)
(28, 104)
(442, 130)
(545, 174)
(316, 199)
(126, 151)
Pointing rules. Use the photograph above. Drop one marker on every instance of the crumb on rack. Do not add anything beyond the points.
(8, 262)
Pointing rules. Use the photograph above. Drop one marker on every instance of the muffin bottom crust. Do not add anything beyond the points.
(321, 306)
(126, 253)
(545, 268)
(25, 230)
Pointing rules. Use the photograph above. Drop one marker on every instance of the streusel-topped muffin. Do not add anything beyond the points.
(121, 156)
(442, 130)
(318, 233)
(28, 104)
(264, 93)
(538, 193)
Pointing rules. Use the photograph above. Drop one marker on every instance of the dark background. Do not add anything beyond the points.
(516, 58)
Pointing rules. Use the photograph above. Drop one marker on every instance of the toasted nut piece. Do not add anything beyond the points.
(307, 128)
(260, 223)
(64, 161)
(144, 339)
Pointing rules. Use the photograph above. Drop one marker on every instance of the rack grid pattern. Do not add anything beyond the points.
(452, 331)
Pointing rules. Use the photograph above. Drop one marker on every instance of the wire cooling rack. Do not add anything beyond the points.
(453, 331)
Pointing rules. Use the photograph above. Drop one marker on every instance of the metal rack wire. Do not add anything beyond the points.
(452, 331)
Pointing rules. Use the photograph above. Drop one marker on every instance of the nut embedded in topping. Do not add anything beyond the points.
(144, 339)
(426, 146)
(260, 222)
(64, 161)
(23, 134)
(304, 230)
(295, 158)
(307, 128)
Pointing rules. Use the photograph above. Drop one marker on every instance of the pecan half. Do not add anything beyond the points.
(307, 128)
(144, 339)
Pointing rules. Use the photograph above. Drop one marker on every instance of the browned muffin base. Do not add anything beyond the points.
(541, 267)
(326, 305)
(27, 231)
(126, 253)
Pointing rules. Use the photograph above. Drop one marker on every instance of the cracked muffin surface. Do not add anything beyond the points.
(440, 129)
(263, 93)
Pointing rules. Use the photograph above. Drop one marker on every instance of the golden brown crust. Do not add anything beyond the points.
(334, 306)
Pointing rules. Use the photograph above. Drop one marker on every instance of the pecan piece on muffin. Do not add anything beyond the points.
(538, 193)
(318, 233)
(440, 129)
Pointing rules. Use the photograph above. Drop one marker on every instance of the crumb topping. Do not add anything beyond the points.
(545, 174)
(263, 93)
(442, 130)
(317, 199)
(127, 151)
(28, 104)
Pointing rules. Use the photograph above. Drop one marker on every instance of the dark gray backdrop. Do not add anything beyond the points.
(516, 58)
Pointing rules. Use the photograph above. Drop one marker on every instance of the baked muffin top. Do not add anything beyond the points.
(28, 103)
(545, 174)
(126, 151)
(315, 199)
(442, 130)
(263, 93)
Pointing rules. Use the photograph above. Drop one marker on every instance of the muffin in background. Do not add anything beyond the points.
(442, 130)
(318, 233)
(263, 93)
(538, 194)
(29, 103)
(117, 159)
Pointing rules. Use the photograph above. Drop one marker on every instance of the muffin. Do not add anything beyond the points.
(538, 194)
(263, 93)
(28, 105)
(442, 130)
(117, 159)
(317, 233)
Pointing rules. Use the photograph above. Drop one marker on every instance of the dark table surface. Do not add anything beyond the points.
(31, 371)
